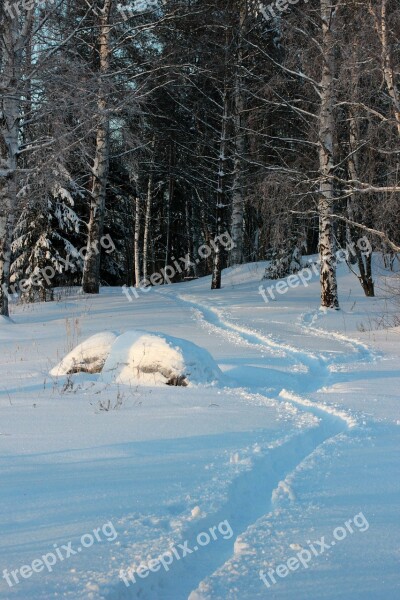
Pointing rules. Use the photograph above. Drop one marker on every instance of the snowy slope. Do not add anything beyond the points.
(300, 437)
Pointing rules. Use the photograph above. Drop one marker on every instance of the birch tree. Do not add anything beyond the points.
(91, 270)
(221, 179)
(136, 243)
(329, 295)
(147, 221)
(13, 40)
(238, 196)
(381, 21)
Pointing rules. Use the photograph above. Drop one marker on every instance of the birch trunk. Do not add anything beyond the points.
(147, 219)
(136, 250)
(12, 42)
(91, 268)
(329, 296)
(381, 26)
(237, 220)
(217, 258)
(170, 195)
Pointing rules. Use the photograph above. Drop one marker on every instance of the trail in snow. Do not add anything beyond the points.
(306, 322)
(242, 509)
(269, 472)
(318, 367)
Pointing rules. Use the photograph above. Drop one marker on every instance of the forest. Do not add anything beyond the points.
(161, 125)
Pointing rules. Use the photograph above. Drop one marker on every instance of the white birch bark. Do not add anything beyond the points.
(12, 41)
(217, 258)
(136, 248)
(91, 268)
(381, 26)
(147, 220)
(237, 220)
(170, 194)
(329, 296)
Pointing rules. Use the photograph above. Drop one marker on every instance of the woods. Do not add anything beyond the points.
(165, 124)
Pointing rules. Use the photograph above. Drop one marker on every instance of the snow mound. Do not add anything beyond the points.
(139, 357)
(88, 357)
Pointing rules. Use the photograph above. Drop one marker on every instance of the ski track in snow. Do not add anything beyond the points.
(306, 323)
(280, 462)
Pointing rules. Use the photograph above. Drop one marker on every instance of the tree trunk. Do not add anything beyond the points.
(136, 250)
(329, 296)
(365, 268)
(217, 258)
(11, 47)
(188, 238)
(8, 201)
(193, 237)
(169, 202)
(365, 276)
(238, 197)
(381, 26)
(147, 217)
(91, 268)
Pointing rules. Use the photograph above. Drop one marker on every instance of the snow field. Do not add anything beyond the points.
(299, 436)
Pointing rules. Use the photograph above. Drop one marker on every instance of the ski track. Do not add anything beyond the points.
(306, 323)
(243, 508)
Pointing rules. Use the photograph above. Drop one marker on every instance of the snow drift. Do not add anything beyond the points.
(140, 357)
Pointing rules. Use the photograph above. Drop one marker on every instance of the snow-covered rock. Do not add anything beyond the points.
(139, 357)
(88, 357)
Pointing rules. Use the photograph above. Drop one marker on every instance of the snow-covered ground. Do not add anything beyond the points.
(289, 464)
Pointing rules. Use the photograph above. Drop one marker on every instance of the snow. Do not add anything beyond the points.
(144, 358)
(89, 356)
(140, 357)
(298, 434)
